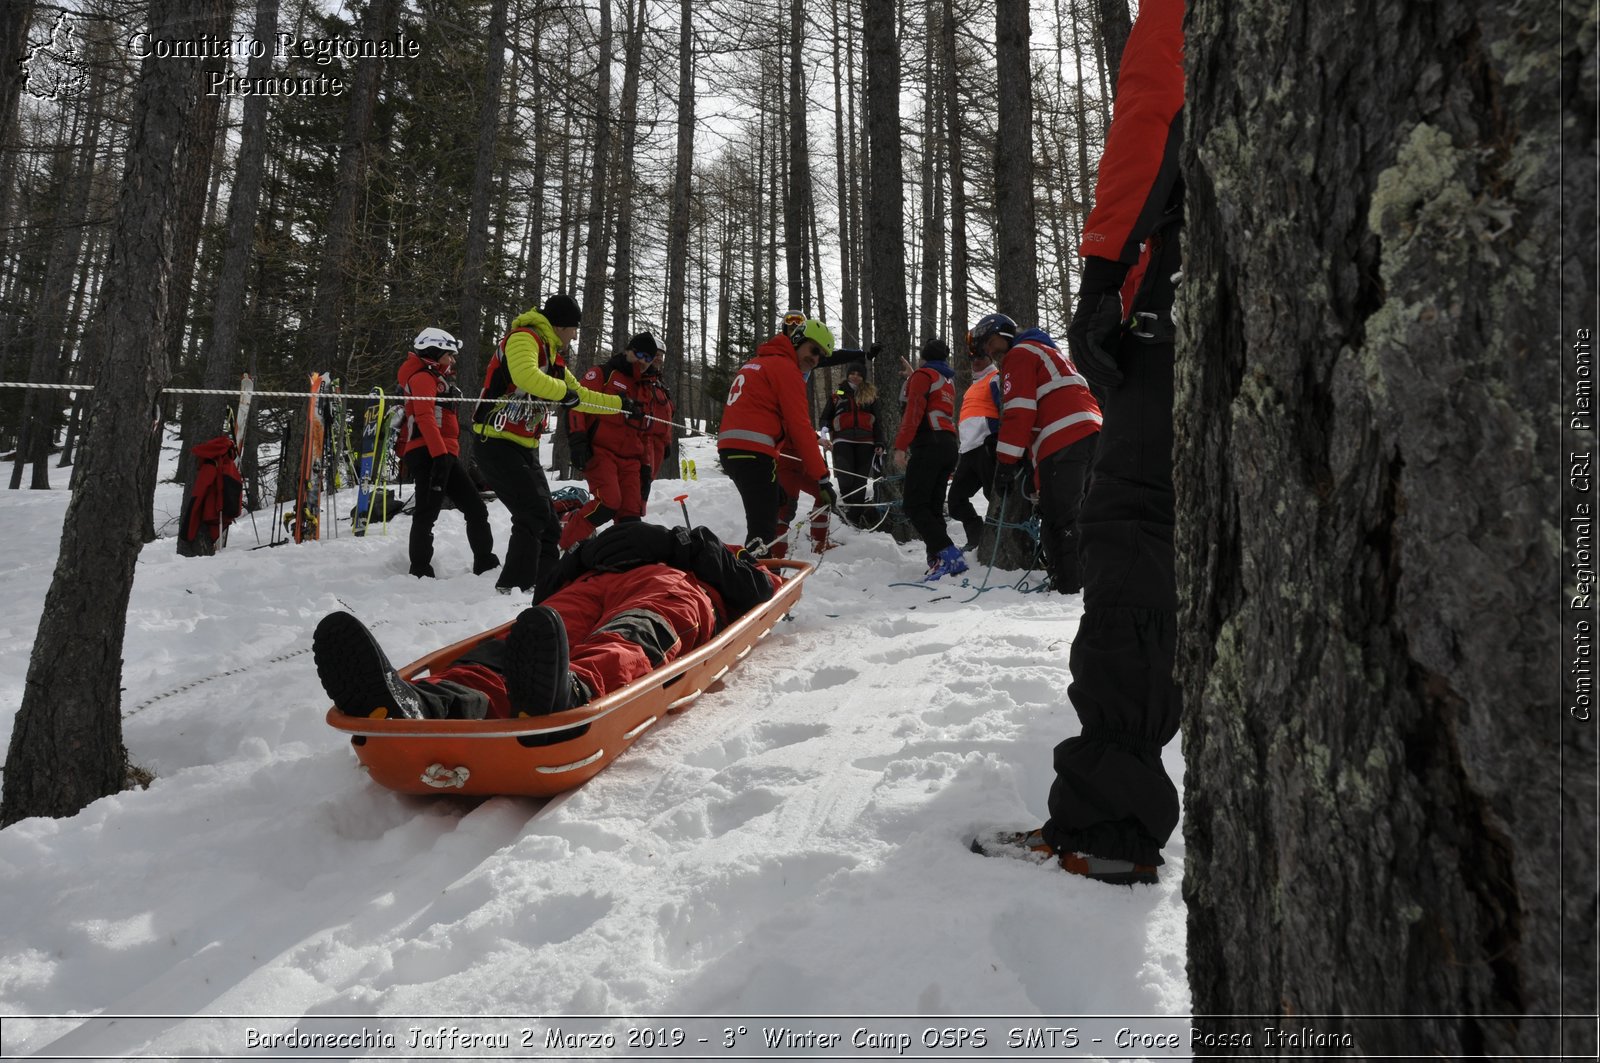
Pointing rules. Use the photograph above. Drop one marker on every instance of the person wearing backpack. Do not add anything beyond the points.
(430, 446)
(524, 377)
(926, 449)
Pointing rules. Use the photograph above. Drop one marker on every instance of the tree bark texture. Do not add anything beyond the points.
(626, 183)
(1016, 268)
(475, 254)
(594, 274)
(66, 747)
(1367, 468)
(677, 339)
(1115, 25)
(221, 355)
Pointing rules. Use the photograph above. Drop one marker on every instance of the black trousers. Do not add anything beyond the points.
(974, 473)
(928, 469)
(756, 478)
(463, 492)
(852, 467)
(1062, 479)
(1112, 796)
(518, 480)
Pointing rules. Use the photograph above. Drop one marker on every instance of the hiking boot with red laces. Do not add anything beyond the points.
(1030, 845)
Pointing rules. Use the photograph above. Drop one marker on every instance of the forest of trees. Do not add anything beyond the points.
(694, 169)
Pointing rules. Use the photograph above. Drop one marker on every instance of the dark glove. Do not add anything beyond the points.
(624, 546)
(1093, 338)
(875, 350)
(439, 471)
(631, 408)
(581, 450)
(827, 497)
(571, 399)
(1011, 478)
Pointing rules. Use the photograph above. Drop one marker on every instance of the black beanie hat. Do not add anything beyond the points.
(562, 311)
(936, 350)
(856, 367)
(643, 343)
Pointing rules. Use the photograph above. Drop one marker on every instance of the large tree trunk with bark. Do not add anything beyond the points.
(66, 747)
(677, 342)
(1016, 268)
(1367, 464)
(468, 366)
(221, 355)
(594, 273)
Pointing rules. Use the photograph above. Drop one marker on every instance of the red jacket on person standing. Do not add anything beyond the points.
(428, 423)
(767, 408)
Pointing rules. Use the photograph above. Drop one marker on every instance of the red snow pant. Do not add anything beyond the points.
(620, 625)
(614, 485)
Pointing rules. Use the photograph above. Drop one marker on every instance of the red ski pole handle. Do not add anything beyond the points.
(683, 504)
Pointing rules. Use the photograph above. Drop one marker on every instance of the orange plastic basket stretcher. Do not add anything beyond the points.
(545, 755)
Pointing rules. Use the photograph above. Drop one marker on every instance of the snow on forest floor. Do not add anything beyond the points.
(795, 844)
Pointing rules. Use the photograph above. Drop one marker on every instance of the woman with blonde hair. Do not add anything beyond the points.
(851, 418)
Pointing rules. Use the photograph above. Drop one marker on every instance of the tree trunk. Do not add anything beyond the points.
(885, 214)
(221, 354)
(41, 408)
(678, 232)
(932, 193)
(594, 274)
(954, 143)
(1387, 810)
(622, 272)
(1016, 265)
(799, 199)
(14, 23)
(66, 745)
(470, 334)
(1115, 24)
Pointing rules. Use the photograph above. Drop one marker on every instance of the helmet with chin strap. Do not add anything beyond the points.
(435, 343)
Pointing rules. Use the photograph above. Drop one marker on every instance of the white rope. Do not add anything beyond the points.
(234, 392)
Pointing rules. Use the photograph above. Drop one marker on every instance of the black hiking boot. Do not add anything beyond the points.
(1030, 845)
(357, 674)
(537, 680)
(487, 563)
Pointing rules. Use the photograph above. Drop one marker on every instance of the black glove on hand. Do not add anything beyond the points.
(1093, 338)
(827, 497)
(1011, 478)
(625, 546)
(631, 408)
(1095, 333)
(439, 471)
(571, 399)
(582, 450)
(875, 350)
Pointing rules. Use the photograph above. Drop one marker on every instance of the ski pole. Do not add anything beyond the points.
(683, 504)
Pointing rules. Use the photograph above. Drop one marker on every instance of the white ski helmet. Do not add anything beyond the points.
(437, 338)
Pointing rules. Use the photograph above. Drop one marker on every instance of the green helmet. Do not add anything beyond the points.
(817, 333)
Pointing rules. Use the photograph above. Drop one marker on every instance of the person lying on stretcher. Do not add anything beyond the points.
(625, 602)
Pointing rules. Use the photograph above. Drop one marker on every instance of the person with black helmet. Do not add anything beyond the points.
(430, 445)
(852, 421)
(925, 448)
(524, 377)
(612, 451)
(1048, 425)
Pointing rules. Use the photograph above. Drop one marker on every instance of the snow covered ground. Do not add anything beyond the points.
(795, 844)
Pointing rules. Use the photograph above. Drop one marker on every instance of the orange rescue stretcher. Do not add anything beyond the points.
(545, 755)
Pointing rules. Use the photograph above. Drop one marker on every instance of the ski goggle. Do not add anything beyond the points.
(646, 358)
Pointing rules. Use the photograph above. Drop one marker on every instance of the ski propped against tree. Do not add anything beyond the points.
(366, 463)
(308, 495)
(240, 423)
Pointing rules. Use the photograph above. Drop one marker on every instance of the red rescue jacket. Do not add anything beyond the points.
(428, 423)
(658, 404)
(930, 404)
(1047, 405)
(623, 437)
(767, 405)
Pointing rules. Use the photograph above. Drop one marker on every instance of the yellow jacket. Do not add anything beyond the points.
(524, 376)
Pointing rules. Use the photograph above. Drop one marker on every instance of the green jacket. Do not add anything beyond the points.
(523, 378)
